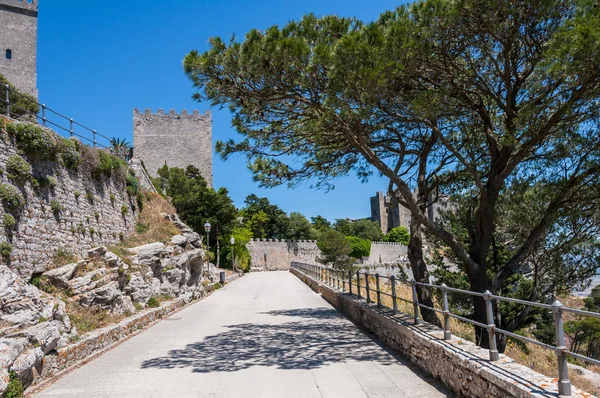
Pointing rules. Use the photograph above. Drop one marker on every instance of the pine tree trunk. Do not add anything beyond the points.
(420, 272)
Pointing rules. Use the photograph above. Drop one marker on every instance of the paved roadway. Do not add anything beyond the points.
(264, 335)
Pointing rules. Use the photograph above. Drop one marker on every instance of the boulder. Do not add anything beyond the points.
(27, 366)
(102, 296)
(4, 380)
(87, 282)
(61, 276)
(111, 259)
(193, 238)
(179, 240)
(138, 289)
(10, 349)
(20, 302)
(96, 251)
(45, 334)
(122, 305)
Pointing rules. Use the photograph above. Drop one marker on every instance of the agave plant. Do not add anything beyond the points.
(120, 146)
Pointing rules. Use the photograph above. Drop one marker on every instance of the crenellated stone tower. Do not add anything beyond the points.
(18, 43)
(177, 139)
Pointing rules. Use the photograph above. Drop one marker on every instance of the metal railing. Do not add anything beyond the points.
(350, 282)
(49, 117)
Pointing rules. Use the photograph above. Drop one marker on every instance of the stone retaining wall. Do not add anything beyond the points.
(82, 222)
(277, 254)
(458, 363)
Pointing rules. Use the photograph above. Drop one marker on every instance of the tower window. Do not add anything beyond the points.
(8, 54)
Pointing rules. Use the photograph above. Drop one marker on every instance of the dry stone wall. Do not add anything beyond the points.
(277, 254)
(92, 213)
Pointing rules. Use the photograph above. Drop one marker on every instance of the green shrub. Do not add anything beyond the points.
(15, 388)
(108, 165)
(5, 249)
(360, 247)
(8, 221)
(96, 215)
(89, 196)
(21, 103)
(112, 198)
(11, 197)
(52, 181)
(18, 169)
(77, 195)
(140, 228)
(42, 319)
(153, 302)
(55, 206)
(70, 152)
(138, 306)
(92, 231)
(124, 210)
(35, 141)
(121, 236)
(133, 185)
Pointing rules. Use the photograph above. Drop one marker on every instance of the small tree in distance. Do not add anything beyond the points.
(335, 250)
(398, 234)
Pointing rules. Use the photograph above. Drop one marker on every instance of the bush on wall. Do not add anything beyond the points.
(18, 169)
(11, 197)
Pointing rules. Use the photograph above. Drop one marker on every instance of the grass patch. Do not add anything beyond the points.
(63, 257)
(156, 228)
(153, 302)
(15, 387)
(88, 319)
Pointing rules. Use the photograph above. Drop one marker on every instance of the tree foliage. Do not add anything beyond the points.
(363, 228)
(360, 247)
(472, 99)
(335, 250)
(398, 234)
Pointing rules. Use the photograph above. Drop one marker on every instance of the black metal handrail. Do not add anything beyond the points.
(333, 278)
(58, 122)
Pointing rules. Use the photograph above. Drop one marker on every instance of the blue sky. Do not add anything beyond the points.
(99, 59)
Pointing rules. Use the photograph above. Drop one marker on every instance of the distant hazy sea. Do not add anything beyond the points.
(586, 292)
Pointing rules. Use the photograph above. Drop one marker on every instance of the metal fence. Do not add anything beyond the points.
(350, 282)
(49, 117)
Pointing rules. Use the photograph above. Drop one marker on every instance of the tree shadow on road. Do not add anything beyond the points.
(309, 344)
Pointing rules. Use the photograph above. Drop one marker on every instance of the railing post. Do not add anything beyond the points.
(367, 287)
(564, 385)
(94, 138)
(7, 100)
(71, 131)
(491, 329)
(358, 282)
(350, 282)
(447, 332)
(378, 290)
(415, 303)
(394, 298)
(44, 115)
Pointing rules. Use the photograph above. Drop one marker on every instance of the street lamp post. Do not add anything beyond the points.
(232, 241)
(207, 230)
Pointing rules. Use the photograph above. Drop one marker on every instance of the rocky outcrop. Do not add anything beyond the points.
(34, 324)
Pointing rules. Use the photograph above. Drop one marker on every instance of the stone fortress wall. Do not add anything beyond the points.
(18, 33)
(177, 139)
(39, 233)
(277, 254)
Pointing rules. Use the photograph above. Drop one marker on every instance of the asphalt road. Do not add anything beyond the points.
(264, 335)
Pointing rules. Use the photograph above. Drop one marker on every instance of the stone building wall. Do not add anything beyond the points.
(276, 254)
(18, 19)
(179, 140)
(39, 233)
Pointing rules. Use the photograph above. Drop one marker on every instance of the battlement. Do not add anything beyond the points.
(30, 6)
(387, 243)
(195, 114)
(283, 240)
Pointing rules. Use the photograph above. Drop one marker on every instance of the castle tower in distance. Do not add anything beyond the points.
(174, 139)
(18, 43)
